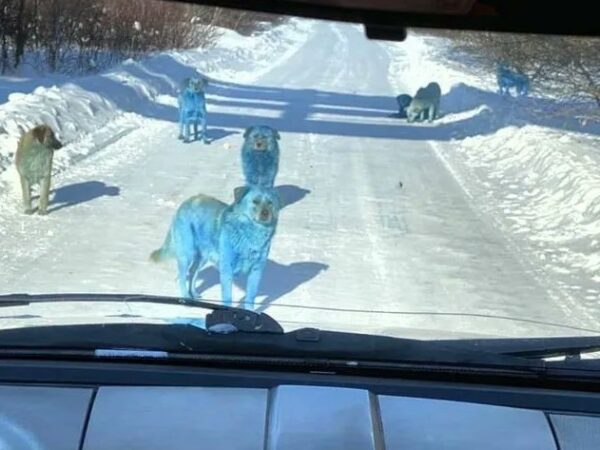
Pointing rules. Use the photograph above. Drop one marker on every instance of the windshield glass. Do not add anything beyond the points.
(446, 186)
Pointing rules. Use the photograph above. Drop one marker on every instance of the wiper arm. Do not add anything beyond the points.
(242, 319)
(571, 348)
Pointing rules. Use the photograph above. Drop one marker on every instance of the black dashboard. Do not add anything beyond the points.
(106, 406)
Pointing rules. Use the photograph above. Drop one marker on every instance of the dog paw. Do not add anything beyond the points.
(43, 212)
(29, 211)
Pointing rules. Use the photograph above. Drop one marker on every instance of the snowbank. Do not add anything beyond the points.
(419, 55)
(542, 186)
(87, 111)
(537, 177)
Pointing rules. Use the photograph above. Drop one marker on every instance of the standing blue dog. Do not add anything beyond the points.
(260, 156)
(508, 79)
(192, 108)
(235, 238)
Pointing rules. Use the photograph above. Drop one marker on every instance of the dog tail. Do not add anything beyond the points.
(165, 251)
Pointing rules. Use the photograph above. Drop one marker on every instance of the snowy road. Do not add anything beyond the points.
(354, 250)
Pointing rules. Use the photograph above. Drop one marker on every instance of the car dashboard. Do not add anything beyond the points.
(302, 412)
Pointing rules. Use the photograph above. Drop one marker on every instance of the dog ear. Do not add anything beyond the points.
(39, 134)
(239, 192)
(247, 132)
(48, 136)
(276, 134)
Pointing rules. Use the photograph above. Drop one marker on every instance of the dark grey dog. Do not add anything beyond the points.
(403, 102)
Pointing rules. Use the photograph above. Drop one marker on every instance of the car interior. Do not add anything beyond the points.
(183, 388)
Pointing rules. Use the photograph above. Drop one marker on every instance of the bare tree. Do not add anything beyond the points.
(87, 35)
(561, 67)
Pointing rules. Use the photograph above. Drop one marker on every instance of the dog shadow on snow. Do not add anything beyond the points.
(291, 194)
(77, 193)
(466, 111)
(214, 134)
(278, 280)
(352, 114)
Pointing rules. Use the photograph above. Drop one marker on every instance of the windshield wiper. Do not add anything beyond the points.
(569, 348)
(219, 315)
(264, 337)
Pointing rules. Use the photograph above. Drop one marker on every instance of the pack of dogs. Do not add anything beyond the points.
(425, 104)
(233, 237)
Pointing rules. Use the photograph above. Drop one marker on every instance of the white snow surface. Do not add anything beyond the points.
(537, 178)
(484, 223)
(78, 108)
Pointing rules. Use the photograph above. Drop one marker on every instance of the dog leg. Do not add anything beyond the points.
(252, 285)
(192, 275)
(182, 270)
(524, 89)
(180, 123)
(186, 132)
(26, 188)
(204, 136)
(431, 113)
(226, 278)
(44, 195)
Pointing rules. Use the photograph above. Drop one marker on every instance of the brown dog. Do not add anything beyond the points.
(34, 164)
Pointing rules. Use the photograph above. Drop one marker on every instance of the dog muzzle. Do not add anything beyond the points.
(260, 145)
(265, 216)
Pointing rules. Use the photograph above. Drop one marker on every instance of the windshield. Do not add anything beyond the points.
(446, 186)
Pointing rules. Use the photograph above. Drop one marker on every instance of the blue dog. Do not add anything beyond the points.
(235, 238)
(260, 156)
(192, 108)
(508, 79)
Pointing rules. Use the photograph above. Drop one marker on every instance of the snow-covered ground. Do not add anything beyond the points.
(535, 175)
(483, 223)
(78, 108)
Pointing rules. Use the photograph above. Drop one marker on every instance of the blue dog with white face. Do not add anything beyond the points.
(260, 156)
(192, 108)
(235, 238)
(508, 79)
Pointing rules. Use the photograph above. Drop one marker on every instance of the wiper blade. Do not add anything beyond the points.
(571, 348)
(303, 346)
(242, 319)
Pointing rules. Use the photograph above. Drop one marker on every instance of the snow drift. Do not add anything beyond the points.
(533, 174)
(86, 112)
